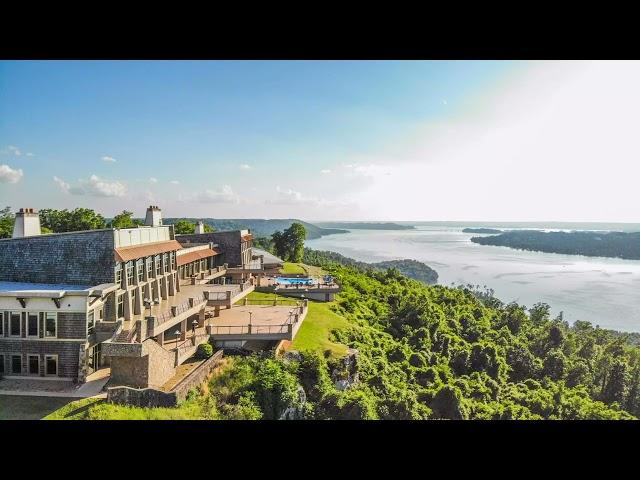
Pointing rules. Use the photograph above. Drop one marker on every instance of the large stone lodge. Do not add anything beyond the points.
(137, 301)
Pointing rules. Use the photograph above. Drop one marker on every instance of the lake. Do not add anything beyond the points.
(604, 291)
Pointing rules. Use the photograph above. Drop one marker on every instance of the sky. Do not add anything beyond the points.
(325, 140)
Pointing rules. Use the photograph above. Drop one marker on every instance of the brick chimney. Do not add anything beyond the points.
(154, 216)
(27, 223)
(200, 227)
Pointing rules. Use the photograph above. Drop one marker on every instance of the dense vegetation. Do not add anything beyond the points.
(591, 244)
(365, 225)
(481, 230)
(289, 244)
(411, 268)
(182, 227)
(261, 227)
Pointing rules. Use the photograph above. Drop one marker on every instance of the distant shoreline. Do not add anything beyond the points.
(620, 245)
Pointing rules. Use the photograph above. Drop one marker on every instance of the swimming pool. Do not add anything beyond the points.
(294, 281)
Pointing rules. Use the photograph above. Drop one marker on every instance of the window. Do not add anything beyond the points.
(91, 322)
(129, 268)
(140, 269)
(173, 260)
(165, 262)
(16, 364)
(118, 274)
(1, 324)
(1, 360)
(149, 261)
(51, 365)
(50, 324)
(100, 313)
(120, 306)
(32, 324)
(15, 325)
(34, 364)
(156, 259)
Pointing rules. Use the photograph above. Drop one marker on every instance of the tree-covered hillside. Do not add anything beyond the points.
(259, 227)
(411, 268)
(591, 244)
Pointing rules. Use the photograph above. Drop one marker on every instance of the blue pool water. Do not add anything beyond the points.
(294, 281)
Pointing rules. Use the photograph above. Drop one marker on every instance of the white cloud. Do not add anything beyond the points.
(153, 180)
(288, 196)
(245, 166)
(444, 101)
(15, 150)
(109, 159)
(325, 171)
(29, 154)
(101, 188)
(10, 175)
(64, 186)
(224, 195)
(174, 182)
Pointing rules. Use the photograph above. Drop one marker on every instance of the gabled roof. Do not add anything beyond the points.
(197, 255)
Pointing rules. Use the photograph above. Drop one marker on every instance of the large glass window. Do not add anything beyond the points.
(15, 327)
(140, 269)
(34, 364)
(149, 261)
(1, 359)
(129, 267)
(32, 324)
(50, 324)
(158, 263)
(1, 324)
(165, 262)
(51, 365)
(91, 322)
(173, 260)
(118, 274)
(16, 364)
(120, 304)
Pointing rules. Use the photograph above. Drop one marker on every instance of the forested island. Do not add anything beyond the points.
(411, 268)
(591, 244)
(366, 225)
(481, 230)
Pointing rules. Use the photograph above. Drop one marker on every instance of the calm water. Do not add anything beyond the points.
(604, 291)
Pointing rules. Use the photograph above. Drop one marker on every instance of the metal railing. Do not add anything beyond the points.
(249, 329)
(176, 310)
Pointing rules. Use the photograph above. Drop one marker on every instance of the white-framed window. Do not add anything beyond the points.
(91, 322)
(50, 324)
(1, 324)
(118, 274)
(33, 364)
(165, 262)
(16, 364)
(172, 256)
(149, 261)
(51, 365)
(157, 261)
(140, 269)
(33, 325)
(15, 324)
(129, 269)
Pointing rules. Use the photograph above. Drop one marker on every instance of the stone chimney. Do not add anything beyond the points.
(154, 216)
(200, 227)
(27, 223)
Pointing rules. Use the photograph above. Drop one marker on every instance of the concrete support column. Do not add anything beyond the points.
(163, 288)
(128, 310)
(138, 305)
(160, 338)
(155, 289)
(172, 284)
(177, 283)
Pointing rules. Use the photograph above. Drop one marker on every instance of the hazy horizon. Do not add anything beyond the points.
(491, 141)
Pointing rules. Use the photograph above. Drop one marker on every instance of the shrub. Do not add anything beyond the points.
(205, 350)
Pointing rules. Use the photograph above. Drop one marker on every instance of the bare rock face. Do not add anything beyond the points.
(296, 412)
(345, 375)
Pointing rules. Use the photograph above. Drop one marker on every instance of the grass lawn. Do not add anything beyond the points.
(315, 330)
(262, 296)
(18, 407)
(292, 268)
(77, 410)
